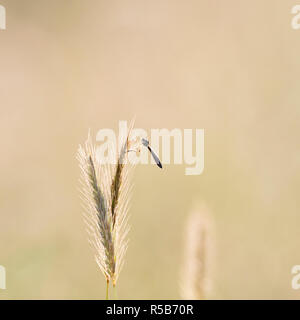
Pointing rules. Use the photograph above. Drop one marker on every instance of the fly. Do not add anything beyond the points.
(155, 157)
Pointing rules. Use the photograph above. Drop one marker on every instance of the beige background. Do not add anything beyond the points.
(231, 67)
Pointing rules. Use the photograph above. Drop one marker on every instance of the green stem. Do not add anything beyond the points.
(107, 286)
(115, 292)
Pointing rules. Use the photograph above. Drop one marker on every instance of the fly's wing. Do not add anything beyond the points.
(155, 157)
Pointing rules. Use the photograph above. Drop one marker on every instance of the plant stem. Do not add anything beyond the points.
(115, 292)
(107, 286)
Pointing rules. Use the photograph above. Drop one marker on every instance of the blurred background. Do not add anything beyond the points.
(231, 67)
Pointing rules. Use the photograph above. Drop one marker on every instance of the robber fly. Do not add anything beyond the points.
(155, 157)
(146, 144)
